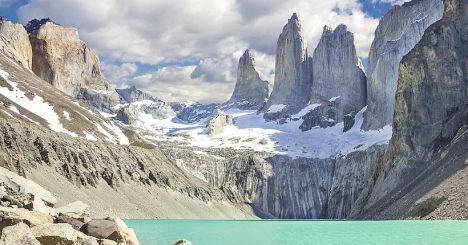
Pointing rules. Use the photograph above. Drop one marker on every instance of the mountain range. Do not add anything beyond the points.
(324, 140)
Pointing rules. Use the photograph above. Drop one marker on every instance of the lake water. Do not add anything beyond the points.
(226, 232)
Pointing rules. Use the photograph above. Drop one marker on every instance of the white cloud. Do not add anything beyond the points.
(176, 84)
(215, 32)
(119, 74)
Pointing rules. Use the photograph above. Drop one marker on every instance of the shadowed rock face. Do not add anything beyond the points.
(431, 115)
(62, 59)
(398, 32)
(282, 187)
(337, 71)
(250, 92)
(292, 71)
(14, 43)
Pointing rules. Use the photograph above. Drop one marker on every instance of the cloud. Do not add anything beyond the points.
(121, 74)
(215, 33)
(176, 83)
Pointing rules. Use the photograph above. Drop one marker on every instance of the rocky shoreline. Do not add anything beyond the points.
(28, 216)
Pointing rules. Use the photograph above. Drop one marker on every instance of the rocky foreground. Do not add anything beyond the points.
(28, 216)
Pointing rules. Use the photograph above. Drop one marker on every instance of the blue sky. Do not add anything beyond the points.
(182, 50)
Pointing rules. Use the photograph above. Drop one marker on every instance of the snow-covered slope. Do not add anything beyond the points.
(26, 97)
(252, 131)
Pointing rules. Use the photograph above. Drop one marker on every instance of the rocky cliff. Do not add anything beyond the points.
(293, 78)
(132, 94)
(398, 32)
(280, 186)
(250, 92)
(14, 43)
(217, 122)
(63, 60)
(338, 72)
(430, 122)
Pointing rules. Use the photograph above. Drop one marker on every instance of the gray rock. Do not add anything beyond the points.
(63, 234)
(14, 43)
(338, 72)
(196, 112)
(77, 210)
(181, 242)
(13, 216)
(217, 122)
(325, 115)
(429, 142)
(132, 94)
(398, 32)
(75, 223)
(348, 122)
(293, 79)
(102, 100)
(251, 92)
(131, 113)
(99, 228)
(111, 229)
(25, 186)
(18, 234)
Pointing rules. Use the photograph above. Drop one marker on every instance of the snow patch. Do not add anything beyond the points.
(36, 106)
(90, 136)
(66, 114)
(116, 136)
(276, 108)
(306, 110)
(334, 98)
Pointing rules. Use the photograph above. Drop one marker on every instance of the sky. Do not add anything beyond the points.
(185, 50)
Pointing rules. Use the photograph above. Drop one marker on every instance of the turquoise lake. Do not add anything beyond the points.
(227, 232)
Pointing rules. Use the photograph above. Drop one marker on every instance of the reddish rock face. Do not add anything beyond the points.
(62, 59)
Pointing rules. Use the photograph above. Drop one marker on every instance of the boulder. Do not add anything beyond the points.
(77, 210)
(217, 122)
(75, 223)
(18, 234)
(13, 216)
(25, 186)
(111, 229)
(99, 228)
(127, 233)
(181, 242)
(62, 234)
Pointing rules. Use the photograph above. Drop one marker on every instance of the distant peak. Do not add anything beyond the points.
(132, 88)
(341, 27)
(35, 24)
(293, 18)
(248, 54)
(327, 29)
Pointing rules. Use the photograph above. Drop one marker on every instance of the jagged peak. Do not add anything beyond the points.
(341, 28)
(35, 24)
(294, 17)
(248, 56)
(292, 23)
